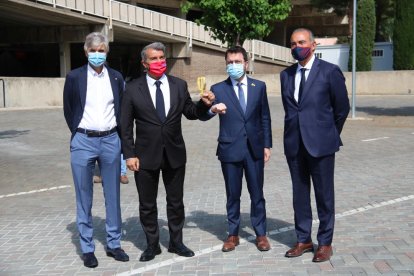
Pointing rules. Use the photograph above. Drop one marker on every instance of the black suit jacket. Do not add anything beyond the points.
(74, 95)
(153, 136)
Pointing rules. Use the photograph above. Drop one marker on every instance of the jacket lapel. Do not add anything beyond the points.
(174, 94)
(291, 84)
(115, 92)
(251, 96)
(311, 78)
(83, 85)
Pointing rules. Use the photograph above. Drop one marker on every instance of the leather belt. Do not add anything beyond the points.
(95, 133)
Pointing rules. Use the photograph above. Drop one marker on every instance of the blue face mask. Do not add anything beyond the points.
(235, 71)
(96, 59)
(301, 53)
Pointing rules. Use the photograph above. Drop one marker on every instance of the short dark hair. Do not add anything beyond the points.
(235, 50)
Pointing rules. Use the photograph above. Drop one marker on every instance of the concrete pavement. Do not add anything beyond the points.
(374, 231)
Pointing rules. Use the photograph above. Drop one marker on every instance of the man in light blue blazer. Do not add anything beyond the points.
(244, 144)
(316, 106)
(91, 105)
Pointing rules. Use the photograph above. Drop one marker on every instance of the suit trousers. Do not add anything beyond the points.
(85, 151)
(233, 175)
(303, 168)
(147, 186)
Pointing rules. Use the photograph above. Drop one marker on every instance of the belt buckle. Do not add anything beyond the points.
(92, 133)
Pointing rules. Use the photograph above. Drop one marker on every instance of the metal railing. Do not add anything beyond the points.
(174, 26)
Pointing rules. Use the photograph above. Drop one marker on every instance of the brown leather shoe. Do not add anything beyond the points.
(124, 179)
(262, 243)
(230, 244)
(299, 249)
(323, 254)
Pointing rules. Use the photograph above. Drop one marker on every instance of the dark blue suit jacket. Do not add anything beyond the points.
(237, 127)
(321, 114)
(74, 95)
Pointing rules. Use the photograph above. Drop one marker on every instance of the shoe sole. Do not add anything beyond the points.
(304, 251)
(171, 250)
(113, 256)
(229, 249)
(91, 266)
(322, 260)
(158, 252)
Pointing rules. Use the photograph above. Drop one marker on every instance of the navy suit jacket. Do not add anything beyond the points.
(152, 136)
(237, 127)
(319, 117)
(74, 95)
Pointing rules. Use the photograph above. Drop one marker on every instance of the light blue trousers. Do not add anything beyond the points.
(85, 151)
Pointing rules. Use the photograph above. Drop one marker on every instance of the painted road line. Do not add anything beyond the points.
(375, 139)
(175, 260)
(35, 191)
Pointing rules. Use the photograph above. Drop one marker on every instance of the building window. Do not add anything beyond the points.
(378, 53)
(318, 55)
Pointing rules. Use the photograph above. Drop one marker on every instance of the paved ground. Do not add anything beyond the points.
(374, 198)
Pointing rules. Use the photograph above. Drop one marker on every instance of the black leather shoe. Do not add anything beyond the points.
(117, 253)
(150, 253)
(89, 260)
(181, 250)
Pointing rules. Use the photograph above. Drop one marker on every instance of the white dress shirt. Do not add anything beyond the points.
(99, 113)
(308, 67)
(165, 88)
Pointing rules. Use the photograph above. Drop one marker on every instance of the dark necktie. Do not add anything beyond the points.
(241, 97)
(159, 102)
(302, 83)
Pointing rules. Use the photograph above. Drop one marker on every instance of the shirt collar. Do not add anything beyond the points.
(94, 73)
(243, 81)
(308, 65)
(151, 81)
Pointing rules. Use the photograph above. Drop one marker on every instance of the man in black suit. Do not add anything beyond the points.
(157, 102)
(316, 106)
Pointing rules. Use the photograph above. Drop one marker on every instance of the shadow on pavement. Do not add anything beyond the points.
(216, 224)
(7, 134)
(393, 111)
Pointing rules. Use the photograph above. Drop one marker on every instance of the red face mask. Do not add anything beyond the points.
(157, 68)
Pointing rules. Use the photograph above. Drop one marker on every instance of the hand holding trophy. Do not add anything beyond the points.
(206, 96)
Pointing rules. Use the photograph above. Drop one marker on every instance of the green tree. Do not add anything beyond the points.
(234, 21)
(403, 35)
(365, 28)
(384, 10)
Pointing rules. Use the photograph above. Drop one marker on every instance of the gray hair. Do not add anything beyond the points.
(155, 45)
(96, 39)
(311, 37)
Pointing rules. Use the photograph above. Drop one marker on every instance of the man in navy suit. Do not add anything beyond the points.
(244, 144)
(156, 103)
(316, 106)
(91, 104)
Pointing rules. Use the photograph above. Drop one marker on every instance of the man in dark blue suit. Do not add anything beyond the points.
(91, 104)
(244, 144)
(316, 106)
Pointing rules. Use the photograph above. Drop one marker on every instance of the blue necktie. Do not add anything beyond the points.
(302, 83)
(159, 102)
(241, 97)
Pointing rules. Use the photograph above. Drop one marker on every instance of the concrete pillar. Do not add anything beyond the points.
(64, 53)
